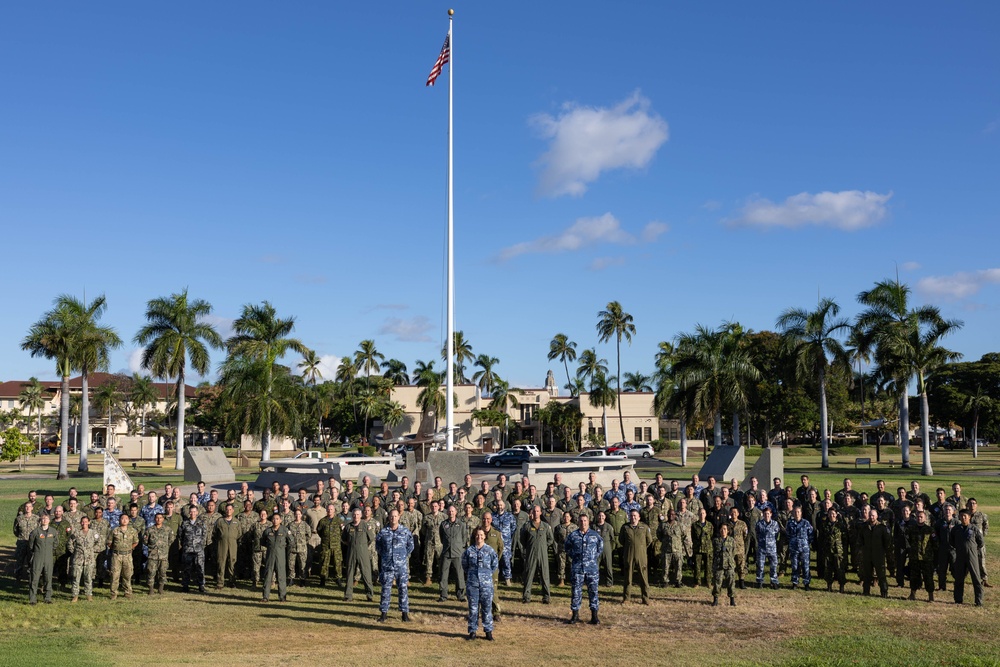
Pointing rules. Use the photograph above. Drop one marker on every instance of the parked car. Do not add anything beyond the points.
(508, 457)
(618, 446)
(639, 450)
(530, 448)
(592, 454)
(309, 455)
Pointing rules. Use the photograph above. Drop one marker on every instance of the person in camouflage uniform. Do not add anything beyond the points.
(982, 522)
(945, 551)
(565, 528)
(832, 549)
(158, 539)
(724, 551)
(256, 536)
(394, 543)
(356, 540)
(480, 563)
(329, 530)
(276, 542)
(767, 531)
(85, 544)
(121, 542)
(430, 539)
(584, 548)
(635, 538)
(506, 523)
(799, 536)
(299, 533)
(671, 536)
(209, 518)
(739, 531)
(701, 545)
(25, 523)
(920, 538)
(876, 544)
(61, 564)
(192, 537)
(368, 516)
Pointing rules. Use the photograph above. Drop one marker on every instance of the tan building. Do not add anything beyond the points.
(641, 425)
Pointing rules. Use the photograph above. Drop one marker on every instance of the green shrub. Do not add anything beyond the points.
(368, 450)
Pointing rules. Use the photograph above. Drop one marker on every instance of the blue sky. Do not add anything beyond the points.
(695, 162)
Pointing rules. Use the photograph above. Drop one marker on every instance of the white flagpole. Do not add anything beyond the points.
(450, 345)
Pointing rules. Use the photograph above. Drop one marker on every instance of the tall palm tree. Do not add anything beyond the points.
(463, 353)
(55, 337)
(921, 354)
(603, 395)
(888, 317)
(669, 398)
(590, 365)
(431, 398)
(422, 370)
(395, 372)
(504, 398)
(32, 397)
(262, 397)
(310, 367)
(614, 322)
(260, 335)
(563, 349)
(106, 400)
(176, 334)
(143, 394)
(976, 403)
(367, 359)
(637, 382)
(92, 354)
(811, 337)
(486, 378)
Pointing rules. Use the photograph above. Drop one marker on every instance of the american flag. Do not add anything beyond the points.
(441, 61)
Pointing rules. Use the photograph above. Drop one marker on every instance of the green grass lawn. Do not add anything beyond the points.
(316, 627)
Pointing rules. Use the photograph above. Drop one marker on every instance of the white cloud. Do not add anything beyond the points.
(582, 233)
(848, 210)
(959, 285)
(224, 325)
(585, 141)
(601, 263)
(412, 330)
(653, 230)
(910, 266)
(135, 361)
(328, 364)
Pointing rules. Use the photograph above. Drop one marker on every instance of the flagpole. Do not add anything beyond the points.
(450, 345)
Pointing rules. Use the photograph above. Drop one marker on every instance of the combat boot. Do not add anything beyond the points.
(74, 599)
(842, 588)
(829, 587)
(594, 620)
(489, 636)
(806, 587)
(406, 617)
(741, 585)
(575, 618)
(930, 595)
(89, 598)
(562, 582)
(913, 595)
(715, 600)
(472, 635)
(150, 592)
(383, 617)
(760, 584)
(774, 587)
(322, 581)
(732, 602)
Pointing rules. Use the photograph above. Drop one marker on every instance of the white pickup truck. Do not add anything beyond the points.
(310, 455)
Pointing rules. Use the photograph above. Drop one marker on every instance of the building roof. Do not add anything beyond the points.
(11, 388)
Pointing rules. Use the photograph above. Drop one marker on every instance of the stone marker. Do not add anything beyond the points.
(207, 464)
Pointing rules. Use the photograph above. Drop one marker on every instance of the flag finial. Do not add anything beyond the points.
(451, 12)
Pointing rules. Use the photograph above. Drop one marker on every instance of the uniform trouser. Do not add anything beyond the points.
(541, 566)
(104, 565)
(40, 568)
(138, 561)
(702, 567)
(945, 562)
(358, 563)
(432, 552)
(834, 568)
(84, 568)
(401, 576)
(607, 562)
(800, 566)
(480, 605)
(156, 573)
(298, 564)
(771, 557)
(902, 565)
(961, 569)
(872, 570)
(225, 556)
(982, 564)
(194, 569)
(329, 556)
(176, 565)
(922, 572)
(449, 565)
(740, 562)
(276, 568)
(856, 557)
(121, 571)
(724, 578)
(506, 562)
(820, 566)
(562, 565)
(257, 562)
(22, 559)
(61, 568)
(631, 568)
(672, 568)
(211, 559)
(584, 577)
(782, 557)
(751, 548)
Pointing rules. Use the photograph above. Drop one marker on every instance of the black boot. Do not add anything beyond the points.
(382, 618)
(575, 618)
(774, 587)
(472, 635)
(760, 584)
(489, 636)
(732, 602)
(741, 585)
(406, 617)
(594, 620)
(715, 601)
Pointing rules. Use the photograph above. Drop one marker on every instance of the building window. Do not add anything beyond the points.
(647, 434)
(527, 413)
(638, 434)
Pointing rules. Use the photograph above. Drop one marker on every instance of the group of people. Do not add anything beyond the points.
(472, 537)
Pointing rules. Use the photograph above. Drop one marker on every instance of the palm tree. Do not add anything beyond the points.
(367, 359)
(463, 353)
(563, 349)
(310, 367)
(263, 399)
(921, 354)
(974, 403)
(431, 398)
(395, 372)
(810, 336)
(260, 335)
(142, 395)
(175, 335)
(613, 322)
(504, 398)
(92, 354)
(393, 414)
(603, 395)
(32, 397)
(106, 400)
(486, 378)
(669, 397)
(576, 386)
(637, 382)
(590, 365)
(888, 317)
(55, 337)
